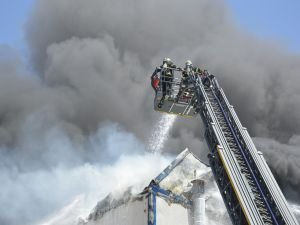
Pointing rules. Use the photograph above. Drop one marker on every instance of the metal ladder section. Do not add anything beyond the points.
(246, 184)
(244, 166)
(258, 164)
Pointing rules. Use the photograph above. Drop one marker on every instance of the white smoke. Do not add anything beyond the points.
(86, 185)
(296, 209)
(134, 171)
(110, 160)
(69, 214)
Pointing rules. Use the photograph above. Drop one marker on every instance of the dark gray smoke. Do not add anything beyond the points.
(93, 59)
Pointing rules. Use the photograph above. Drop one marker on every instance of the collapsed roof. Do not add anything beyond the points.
(176, 180)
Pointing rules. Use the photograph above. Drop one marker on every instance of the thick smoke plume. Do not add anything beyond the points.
(93, 60)
(109, 160)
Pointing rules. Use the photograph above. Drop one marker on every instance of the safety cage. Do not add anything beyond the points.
(175, 94)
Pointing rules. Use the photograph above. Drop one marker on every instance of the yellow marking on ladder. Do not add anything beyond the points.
(230, 180)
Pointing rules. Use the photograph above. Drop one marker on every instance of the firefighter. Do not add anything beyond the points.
(198, 71)
(167, 75)
(207, 77)
(185, 77)
(187, 70)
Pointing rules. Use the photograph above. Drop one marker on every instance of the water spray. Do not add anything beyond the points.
(161, 133)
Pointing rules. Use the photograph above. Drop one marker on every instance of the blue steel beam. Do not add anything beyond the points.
(169, 169)
(153, 192)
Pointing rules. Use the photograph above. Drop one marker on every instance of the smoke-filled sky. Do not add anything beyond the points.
(88, 88)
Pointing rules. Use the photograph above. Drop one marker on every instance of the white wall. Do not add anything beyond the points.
(131, 213)
(136, 213)
(170, 214)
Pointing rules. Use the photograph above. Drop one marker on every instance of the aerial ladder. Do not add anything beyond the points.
(246, 183)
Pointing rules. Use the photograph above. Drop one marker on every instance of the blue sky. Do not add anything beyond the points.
(13, 14)
(268, 19)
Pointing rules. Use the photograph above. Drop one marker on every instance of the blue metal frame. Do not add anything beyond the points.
(151, 208)
(169, 168)
(154, 191)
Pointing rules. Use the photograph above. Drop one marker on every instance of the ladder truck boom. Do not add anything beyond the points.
(248, 187)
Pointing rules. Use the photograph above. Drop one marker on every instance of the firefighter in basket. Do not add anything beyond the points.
(166, 79)
(185, 79)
